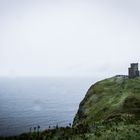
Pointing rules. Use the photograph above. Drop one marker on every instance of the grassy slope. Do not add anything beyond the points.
(115, 97)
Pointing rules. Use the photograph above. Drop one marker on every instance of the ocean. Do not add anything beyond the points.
(28, 102)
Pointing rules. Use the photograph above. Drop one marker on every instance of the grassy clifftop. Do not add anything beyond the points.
(116, 98)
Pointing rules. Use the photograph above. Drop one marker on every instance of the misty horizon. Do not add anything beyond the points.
(68, 38)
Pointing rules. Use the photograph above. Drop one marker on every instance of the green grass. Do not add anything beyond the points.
(111, 96)
(100, 132)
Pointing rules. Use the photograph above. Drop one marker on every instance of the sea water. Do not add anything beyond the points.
(28, 102)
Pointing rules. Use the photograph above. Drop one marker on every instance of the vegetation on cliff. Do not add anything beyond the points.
(116, 98)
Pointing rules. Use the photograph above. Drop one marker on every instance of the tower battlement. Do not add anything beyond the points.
(133, 71)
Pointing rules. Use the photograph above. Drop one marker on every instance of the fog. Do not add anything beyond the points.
(73, 38)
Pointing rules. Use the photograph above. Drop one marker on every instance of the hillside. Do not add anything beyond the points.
(116, 98)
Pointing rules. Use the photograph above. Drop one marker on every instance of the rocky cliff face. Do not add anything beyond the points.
(116, 98)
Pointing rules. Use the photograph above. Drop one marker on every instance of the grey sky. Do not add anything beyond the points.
(68, 38)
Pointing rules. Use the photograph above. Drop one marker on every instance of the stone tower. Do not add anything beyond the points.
(133, 71)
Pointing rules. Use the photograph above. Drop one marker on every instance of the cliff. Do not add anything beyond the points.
(110, 109)
(112, 99)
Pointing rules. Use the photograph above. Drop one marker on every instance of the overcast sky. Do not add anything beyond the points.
(68, 37)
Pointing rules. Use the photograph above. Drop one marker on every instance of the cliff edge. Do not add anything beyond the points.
(111, 100)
